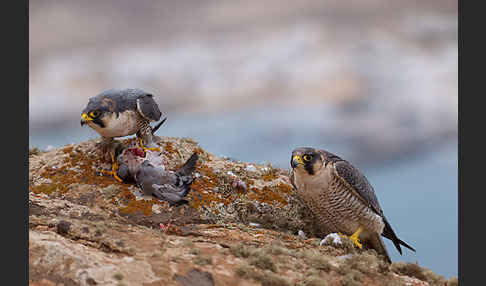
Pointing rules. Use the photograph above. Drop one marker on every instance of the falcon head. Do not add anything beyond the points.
(118, 112)
(93, 116)
(310, 161)
(99, 109)
(306, 160)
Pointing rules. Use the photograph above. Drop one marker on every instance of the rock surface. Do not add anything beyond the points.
(241, 227)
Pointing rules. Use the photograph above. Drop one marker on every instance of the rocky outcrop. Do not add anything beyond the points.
(241, 227)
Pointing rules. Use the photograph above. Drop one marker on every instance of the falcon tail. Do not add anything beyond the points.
(156, 127)
(390, 234)
(189, 166)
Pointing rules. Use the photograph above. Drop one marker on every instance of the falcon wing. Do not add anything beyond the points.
(148, 108)
(358, 184)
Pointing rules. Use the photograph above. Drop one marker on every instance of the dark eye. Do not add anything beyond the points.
(94, 113)
(307, 157)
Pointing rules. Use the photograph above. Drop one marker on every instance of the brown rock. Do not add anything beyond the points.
(92, 230)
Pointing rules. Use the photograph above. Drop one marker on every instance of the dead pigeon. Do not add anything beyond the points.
(153, 180)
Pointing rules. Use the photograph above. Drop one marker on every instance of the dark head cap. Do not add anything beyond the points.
(306, 158)
(311, 159)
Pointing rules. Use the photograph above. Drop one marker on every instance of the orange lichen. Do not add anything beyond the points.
(206, 170)
(209, 190)
(285, 188)
(204, 186)
(169, 148)
(62, 176)
(267, 195)
(270, 176)
(205, 196)
(44, 188)
(135, 206)
(67, 149)
(127, 195)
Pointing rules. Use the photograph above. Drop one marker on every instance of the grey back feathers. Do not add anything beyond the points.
(358, 182)
(119, 100)
(147, 107)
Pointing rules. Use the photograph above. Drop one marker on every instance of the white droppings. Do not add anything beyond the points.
(251, 168)
(331, 238)
(301, 234)
(345, 256)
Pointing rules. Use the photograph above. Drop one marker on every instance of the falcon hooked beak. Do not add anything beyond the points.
(296, 161)
(85, 119)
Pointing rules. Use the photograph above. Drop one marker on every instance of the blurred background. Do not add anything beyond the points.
(374, 82)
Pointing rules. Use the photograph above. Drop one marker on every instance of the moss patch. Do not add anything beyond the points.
(414, 270)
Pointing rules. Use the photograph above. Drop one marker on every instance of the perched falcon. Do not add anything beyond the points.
(341, 198)
(121, 112)
(155, 181)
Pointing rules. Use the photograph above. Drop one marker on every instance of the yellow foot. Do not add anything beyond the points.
(356, 242)
(146, 148)
(114, 167)
(354, 237)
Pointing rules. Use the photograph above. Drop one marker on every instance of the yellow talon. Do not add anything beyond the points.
(114, 167)
(354, 237)
(145, 148)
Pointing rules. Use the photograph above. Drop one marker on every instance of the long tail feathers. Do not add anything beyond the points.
(405, 244)
(390, 234)
(158, 125)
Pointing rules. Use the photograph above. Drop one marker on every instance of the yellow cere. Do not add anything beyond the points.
(86, 117)
(298, 159)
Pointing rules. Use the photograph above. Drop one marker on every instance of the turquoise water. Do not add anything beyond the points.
(420, 199)
(418, 195)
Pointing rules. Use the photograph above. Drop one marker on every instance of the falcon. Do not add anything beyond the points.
(341, 198)
(121, 112)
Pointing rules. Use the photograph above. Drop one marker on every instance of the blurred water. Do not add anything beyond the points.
(374, 82)
(418, 192)
(419, 198)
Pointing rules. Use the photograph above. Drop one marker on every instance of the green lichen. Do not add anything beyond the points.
(203, 260)
(314, 281)
(241, 250)
(267, 278)
(263, 261)
(34, 151)
(195, 251)
(118, 276)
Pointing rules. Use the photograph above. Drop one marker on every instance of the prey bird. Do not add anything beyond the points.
(170, 186)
